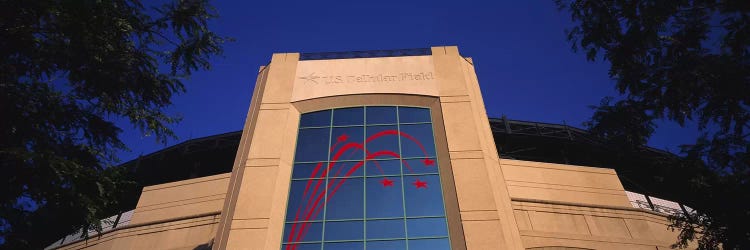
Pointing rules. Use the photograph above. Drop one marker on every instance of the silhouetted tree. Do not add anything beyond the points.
(69, 69)
(686, 62)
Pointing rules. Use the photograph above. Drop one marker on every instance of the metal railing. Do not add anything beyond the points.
(365, 54)
(108, 224)
(551, 130)
(658, 205)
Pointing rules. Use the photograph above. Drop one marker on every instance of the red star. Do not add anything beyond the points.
(386, 182)
(428, 162)
(420, 184)
(343, 137)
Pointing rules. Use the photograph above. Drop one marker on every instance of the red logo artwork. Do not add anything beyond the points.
(386, 182)
(314, 193)
(420, 184)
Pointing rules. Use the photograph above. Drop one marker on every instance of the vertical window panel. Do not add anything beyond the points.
(382, 139)
(315, 119)
(348, 116)
(343, 245)
(309, 143)
(422, 166)
(381, 115)
(385, 229)
(344, 230)
(417, 141)
(345, 199)
(384, 197)
(427, 227)
(412, 115)
(347, 143)
(308, 170)
(303, 231)
(386, 245)
(302, 197)
(432, 244)
(302, 246)
(346, 169)
(383, 167)
(423, 196)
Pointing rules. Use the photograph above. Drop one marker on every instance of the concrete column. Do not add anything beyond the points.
(253, 212)
(483, 200)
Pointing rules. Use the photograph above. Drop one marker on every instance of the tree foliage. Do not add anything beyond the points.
(69, 69)
(687, 62)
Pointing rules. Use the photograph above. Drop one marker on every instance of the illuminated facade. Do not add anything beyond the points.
(386, 150)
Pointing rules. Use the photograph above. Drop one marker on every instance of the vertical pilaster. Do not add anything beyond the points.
(253, 213)
(483, 200)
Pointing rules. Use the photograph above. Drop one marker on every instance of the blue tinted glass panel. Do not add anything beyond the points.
(384, 198)
(357, 185)
(410, 115)
(431, 244)
(381, 115)
(309, 143)
(303, 231)
(344, 230)
(346, 169)
(348, 116)
(302, 198)
(346, 144)
(343, 245)
(316, 119)
(427, 227)
(423, 196)
(382, 141)
(384, 167)
(385, 229)
(345, 199)
(308, 170)
(417, 141)
(422, 166)
(386, 245)
(302, 246)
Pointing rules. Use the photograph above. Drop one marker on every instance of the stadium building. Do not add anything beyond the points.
(384, 150)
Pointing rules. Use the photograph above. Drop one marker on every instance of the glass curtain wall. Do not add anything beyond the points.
(366, 178)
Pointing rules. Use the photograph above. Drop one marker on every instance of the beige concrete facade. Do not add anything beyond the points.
(177, 215)
(491, 203)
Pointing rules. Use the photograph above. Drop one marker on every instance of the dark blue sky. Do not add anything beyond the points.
(525, 66)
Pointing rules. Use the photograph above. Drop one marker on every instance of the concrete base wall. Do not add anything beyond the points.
(583, 207)
(554, 206)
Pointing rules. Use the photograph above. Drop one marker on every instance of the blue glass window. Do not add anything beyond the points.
(348, 116)
(432, 244)
(383, 167)
(315, 119)
(308, 246)
(412, 145)
(349, 141)
(366, 177)
(385, 229)
(309, 145)
(381, 115)
(386, 244)
(382, 139)
(343, 245)
(413, 115)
